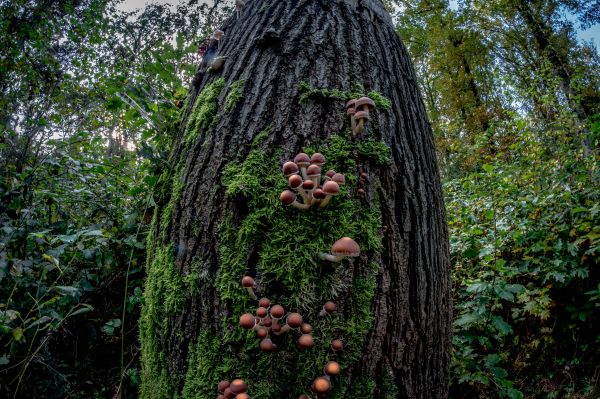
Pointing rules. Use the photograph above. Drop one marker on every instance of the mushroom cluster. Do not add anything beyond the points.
(235, 389)
(322, 385)
(358, 111)
(305, 179)
(343, 248)
(267, 320)
(362, 181)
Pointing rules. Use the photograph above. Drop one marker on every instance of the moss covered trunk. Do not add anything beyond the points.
(291, 67)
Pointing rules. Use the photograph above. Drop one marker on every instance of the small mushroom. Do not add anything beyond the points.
(262, 312)
(350, 111)
(266, 345)
(289, 198)
(293, 320)
(309, 186)
(361, 117)
(302, 160)
(238, 386)
(342, 248)
(289, 168)
(364, 104)
(262, 332)
(337, 345)
(329, 174)
(295, 183)
(331, 189)
(242, 396)
(328, 308)
(247, 321)
(321, 385)
(317, 159)
(223, 385)
(318, 195)
(332, 369)
(306, 328)
(277, 312)
(217, 64)
(228, 394)
(249, 284)
(339, 178)
(264, 302)
(313, 172)
(218, 35)
(306, 341)
(361, 192)
(267, 322)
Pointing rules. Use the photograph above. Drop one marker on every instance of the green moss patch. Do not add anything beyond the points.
(235, 94)
(308, 92)
(204, 111)
(279, 247)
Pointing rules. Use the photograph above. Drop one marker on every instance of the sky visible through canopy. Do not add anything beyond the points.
(593, 33)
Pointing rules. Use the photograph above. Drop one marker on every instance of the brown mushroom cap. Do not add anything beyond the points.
(294, 181)
(228, 394)
(262, 312)
(238, 386)
(289, 168)
(266, 345)
(303, 397)
(331, 188)
(308, 185)
(339, 178)
(306, 341)
(319, 194)
(306, 328)
(351, 111)
(313, 171)
(275, 327)
(361, 115)
(221, 397)
(317, 159)
(321, 385)
(267, 322)
(361, 102)
(264, 302)
(262, 332)
(302, 160)
(218, 34)
(345, 246)
(247, 321)
(330, 173)
(223, 385)
(337, 345)
(329, 307)
(332, 368)
(277, 312)
(248, 282)
(351, 103)
(294, 320)
(287, 197)
(243, 395)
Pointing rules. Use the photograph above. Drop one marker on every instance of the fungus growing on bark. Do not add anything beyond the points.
(264, 302)
(223, 385)
(262, 332)
(317, 159)
(228, 394)
(339, 178)
(331, 189)
(306, 341)
(306, 328)
(218, 35)
(239, 4)
(361, 117)
(342, 248)
(294, 320)
(313, 172)
(302, 160)
(332, 369)
(238, 386)
(350, 111)
(295, 183)
(266, 345)
(249, 284)
(289, 168)
(277, 312)
(247, 321)
(262, 312)
(361, 192)
(321, 385)
(337, 345)
(329, 174)
(289, 198)
(217, 64)
(328, 308)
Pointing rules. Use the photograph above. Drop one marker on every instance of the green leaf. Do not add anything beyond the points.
(488, 168)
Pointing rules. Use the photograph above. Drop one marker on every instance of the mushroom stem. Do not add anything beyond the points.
(330, 257)
(285, 328)
(298, 205)
(251, 293)
(305, 196)
(303, 171)
(324, 202)
(360, 127)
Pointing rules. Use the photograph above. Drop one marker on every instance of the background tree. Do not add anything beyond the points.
(291, 67)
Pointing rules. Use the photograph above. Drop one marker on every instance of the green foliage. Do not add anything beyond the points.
(357, 91)
(525, 249)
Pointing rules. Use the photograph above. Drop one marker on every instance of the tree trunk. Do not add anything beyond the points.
(291, 67)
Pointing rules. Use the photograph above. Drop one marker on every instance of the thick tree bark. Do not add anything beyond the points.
(190, 339)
